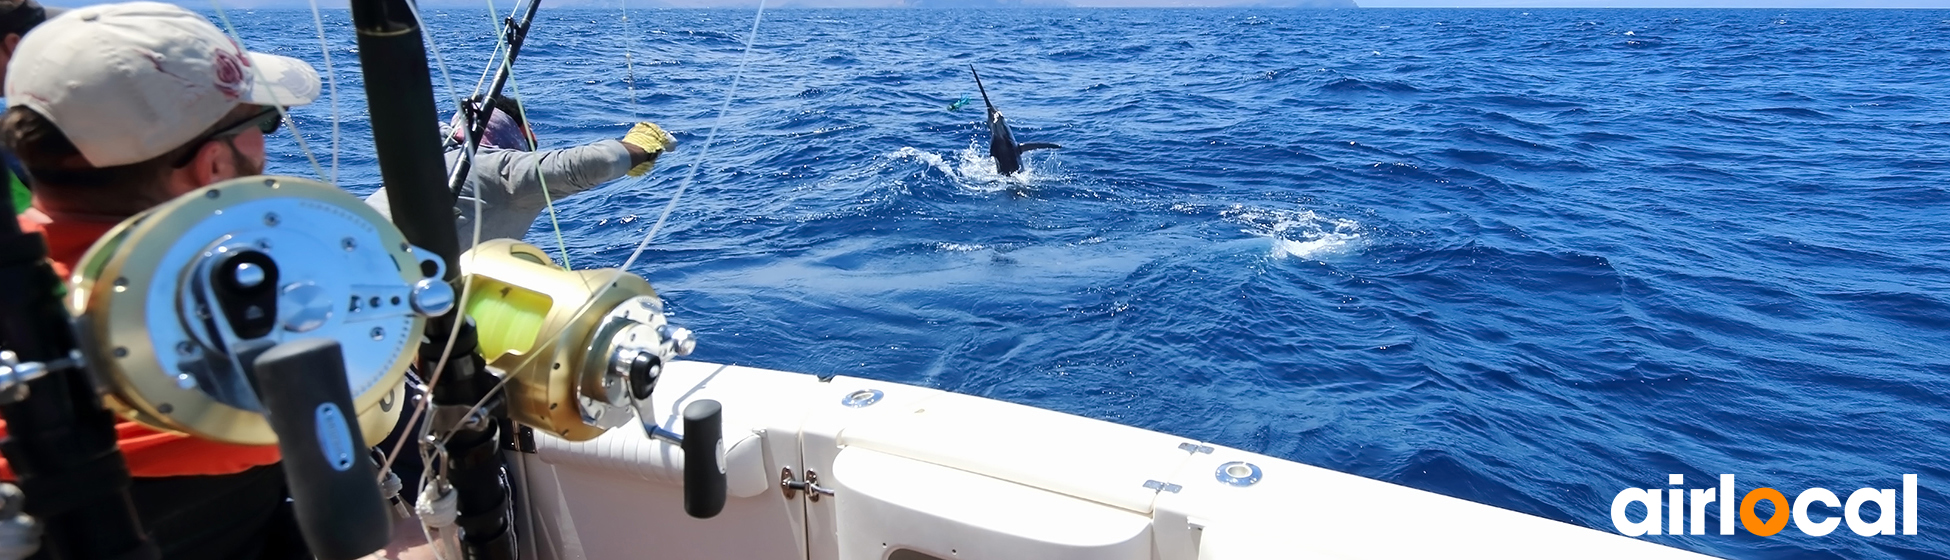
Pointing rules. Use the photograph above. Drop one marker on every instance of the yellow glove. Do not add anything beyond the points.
(652, 139)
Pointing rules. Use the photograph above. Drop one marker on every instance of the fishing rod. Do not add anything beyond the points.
(600, 345)
(478, 110)
(60, 439)
(406, 137)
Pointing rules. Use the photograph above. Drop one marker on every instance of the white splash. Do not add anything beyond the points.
(932, 160)
(971, 168)
(1300, 234)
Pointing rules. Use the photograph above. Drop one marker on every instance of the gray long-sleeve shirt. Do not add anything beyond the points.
(513, 180)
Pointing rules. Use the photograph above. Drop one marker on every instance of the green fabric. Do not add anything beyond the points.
(23, 198)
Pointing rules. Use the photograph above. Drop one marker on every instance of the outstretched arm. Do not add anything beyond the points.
(564, 172)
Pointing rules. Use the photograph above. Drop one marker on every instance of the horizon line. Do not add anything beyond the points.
(580, 7)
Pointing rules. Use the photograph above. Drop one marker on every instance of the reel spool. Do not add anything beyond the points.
(585, 347)
(173, 304)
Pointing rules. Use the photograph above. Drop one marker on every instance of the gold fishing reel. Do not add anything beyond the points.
(584, 347)
(173, 304)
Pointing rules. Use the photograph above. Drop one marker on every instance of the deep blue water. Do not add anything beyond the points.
(1527, 258)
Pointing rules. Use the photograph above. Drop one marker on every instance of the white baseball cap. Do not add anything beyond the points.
(129, 82)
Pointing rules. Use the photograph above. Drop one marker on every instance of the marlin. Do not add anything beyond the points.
(1002, 144)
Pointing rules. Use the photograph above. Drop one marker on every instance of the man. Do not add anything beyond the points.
(17, 17)
(508, 177)
(114, 109)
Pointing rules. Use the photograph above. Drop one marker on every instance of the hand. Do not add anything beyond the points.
(652, 140)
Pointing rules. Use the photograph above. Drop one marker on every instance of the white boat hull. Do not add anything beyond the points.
(922, 473)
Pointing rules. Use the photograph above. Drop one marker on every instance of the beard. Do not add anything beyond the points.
(245, 167)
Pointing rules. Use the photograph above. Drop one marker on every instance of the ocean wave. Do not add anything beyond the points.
(1299, 234)
(1529, 258)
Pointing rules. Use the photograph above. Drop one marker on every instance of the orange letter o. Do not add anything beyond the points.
(1752, 522)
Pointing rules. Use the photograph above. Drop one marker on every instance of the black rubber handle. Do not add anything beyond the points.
(704, 485)
(334, 486)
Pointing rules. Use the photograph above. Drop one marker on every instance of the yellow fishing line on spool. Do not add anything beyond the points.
(543, 327)
(506, 317)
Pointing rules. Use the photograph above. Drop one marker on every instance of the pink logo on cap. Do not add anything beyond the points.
(230, 73)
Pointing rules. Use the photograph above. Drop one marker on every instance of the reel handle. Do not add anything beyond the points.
(334, 485)
(704, 468)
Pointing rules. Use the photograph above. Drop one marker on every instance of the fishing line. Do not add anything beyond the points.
(500, 40)
(743, 60)
(502, 53)
(629, 67)
(440, 366)
(709, 138)
(434, 47)
(319, 23)
(331, 85)
(548, 199)
(282, 112)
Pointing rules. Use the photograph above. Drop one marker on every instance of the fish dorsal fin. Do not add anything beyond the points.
(1036, 146)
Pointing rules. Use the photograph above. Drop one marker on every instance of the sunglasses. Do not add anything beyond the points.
(266, 121)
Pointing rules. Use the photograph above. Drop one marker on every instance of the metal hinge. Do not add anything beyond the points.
(517, 437)
(810, 486)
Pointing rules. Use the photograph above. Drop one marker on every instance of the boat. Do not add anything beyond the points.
(828, 468)
(617, 447)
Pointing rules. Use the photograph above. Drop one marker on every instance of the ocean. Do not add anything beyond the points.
(1529, 258)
